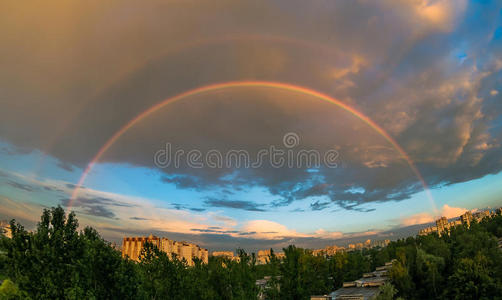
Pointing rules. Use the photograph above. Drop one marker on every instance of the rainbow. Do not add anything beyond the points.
(260, 84)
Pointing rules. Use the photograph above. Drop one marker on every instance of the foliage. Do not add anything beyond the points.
(9, 291)
(386, 292)
(57, 261)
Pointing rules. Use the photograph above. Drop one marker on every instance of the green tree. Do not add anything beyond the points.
(58, 262)
(400, 275)
(429, 270)
(386, 292)
(473, 279)
(9, 291)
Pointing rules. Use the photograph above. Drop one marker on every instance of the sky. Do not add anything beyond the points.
(396, 107)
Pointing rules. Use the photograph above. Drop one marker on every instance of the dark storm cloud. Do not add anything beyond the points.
(394, 62)
(236, 204)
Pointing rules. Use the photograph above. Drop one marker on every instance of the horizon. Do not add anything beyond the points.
(401, 233)
(251, 125)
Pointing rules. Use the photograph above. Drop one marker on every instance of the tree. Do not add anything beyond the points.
(429, 270)
(400, 276)
(58, 262)
(160, 276)
(473, 279)
(9, 291)
(386, 292)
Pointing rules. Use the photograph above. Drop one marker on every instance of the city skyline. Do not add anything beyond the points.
(405, 96)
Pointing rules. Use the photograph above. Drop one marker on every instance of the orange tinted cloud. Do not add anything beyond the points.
(422, 218)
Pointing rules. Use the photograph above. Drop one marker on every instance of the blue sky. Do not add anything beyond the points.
(428, 73)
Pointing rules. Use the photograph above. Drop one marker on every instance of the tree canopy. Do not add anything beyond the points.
(57, 261)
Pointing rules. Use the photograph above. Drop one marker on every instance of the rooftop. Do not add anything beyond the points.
(359, 293)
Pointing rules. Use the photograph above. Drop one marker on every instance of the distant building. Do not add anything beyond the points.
(381, 244)
(445, 226)
(332, 250)
(227, 254)
(466, 218)
(357, 246)
(132, 246)
(328, 250)
(262, 256)
(5, 229)
(480, 215)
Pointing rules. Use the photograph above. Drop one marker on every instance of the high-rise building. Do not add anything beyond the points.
(466, 218)
(445, 226)
(132, 246)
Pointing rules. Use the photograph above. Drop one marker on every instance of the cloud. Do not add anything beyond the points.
(139, 219)
(423, 218)
(95, 206)
(179, 206)
(235, 204)
(321, 233)
(184, 182)
(452, 212)
(420, 218)
(21, 186)
(197, 209)
(396, 61)
(265, 229)
(319, 205)
(65, 166)
(99, 211)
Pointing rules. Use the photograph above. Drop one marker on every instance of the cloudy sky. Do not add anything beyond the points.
(407, 94)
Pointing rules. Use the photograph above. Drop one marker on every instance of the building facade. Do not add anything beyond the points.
(443, 226)
(263, 256)
(132, 246)
(5, 229)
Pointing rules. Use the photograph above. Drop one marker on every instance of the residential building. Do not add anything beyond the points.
(466, 218)
(227, 254)
(262, 256)
(443, 225)
(5, 229)
(132, 246)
